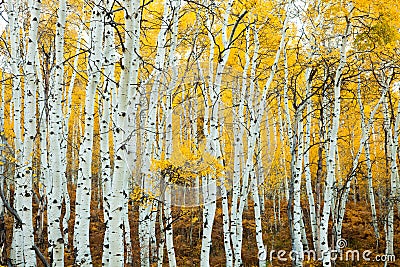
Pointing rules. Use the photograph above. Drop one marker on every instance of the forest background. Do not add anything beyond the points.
(198, 133)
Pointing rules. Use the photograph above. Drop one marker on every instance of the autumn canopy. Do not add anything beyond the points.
(199, 133)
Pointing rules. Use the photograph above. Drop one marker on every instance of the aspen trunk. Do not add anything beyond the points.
(173, 64)
(105, 100)
(392, 151)
(309, 188)
(331, 154)
(150, 136)
(55, 188)
(23, 181)
(83, 190)
(16, 253)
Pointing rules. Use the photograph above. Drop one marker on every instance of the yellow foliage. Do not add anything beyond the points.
(186, 163)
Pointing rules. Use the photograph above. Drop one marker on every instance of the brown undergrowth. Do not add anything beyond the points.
(357, 230)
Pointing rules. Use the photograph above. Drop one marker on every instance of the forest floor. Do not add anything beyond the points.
(357, 231)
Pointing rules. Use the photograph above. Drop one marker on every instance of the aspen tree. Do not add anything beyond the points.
(55, 188)
(3, 142)
(105, 100)
(365, 134)
(131, 127)
(255, 119)
(208, 187)
(309, 188)
(296, 143)
(173, 64)
(162, 242)
(44, 163)
(392, 148)
(150, 135)
(368, 162)
(16, 253)
(283, 152)
(297, 148)
(255, 128)
(238, 130)
(118, 196)
(65, 136)
(313, 46)
(366, 127)
(165, 192)
(215, 136)
(23, 181)
(74, 134)
(261, 181)
(394, 182)
(213, 141)
(83, 190)
(331, 151)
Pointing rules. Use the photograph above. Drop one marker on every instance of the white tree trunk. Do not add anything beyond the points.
(363, 143)
(213, 144)
(16, 253)
(66, 134)
(83, 190)
(392, 152)
(55, 188)
(309, 187)
(369, 165)
(331, 154)
(150, 137)
(297, 166)
(23, 191)
(173, 64)
(262, 254)
(105, 99)
(3, 142)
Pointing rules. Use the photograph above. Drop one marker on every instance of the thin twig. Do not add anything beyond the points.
(9, 208)
(41, 257)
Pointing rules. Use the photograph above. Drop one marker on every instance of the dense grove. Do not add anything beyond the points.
(358, 233)
(199, 133)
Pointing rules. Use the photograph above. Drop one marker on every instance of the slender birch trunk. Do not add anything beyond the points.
(331, 154)
(363, 143)
(66, 133)
(131, 127)
(392, 151)
(309, 187)
(255, 118)
(371, 193)
(55, 188)
(3, 143)
(16, 253)
(109, 86)
(147, 177)
(297, 166)
(23, 192)
(238, 154)
(83, 190)
(213, 144)
(118, 195)
(173, 64)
